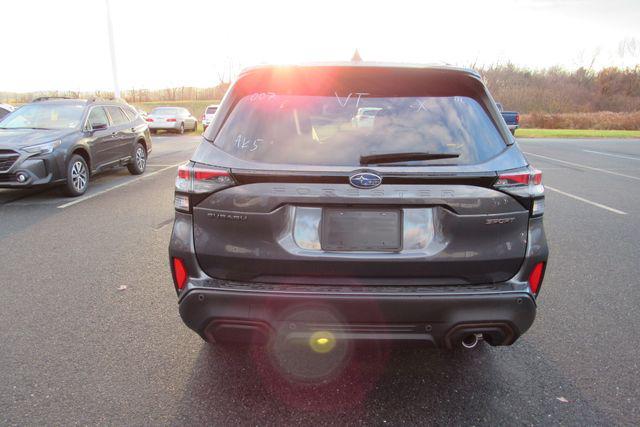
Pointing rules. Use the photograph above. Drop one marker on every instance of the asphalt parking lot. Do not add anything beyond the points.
(78, 348)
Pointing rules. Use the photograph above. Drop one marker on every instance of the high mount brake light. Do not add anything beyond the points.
(198, 179)
(524, 183)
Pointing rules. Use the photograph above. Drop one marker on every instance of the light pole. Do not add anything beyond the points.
(114, 69)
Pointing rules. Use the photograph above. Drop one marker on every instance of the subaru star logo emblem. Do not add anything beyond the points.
(365, 180)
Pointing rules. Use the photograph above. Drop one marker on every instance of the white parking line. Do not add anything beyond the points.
(583, 166)
(99, 193)
(582, 199)
(611, 155)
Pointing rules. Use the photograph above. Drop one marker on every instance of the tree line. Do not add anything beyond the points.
(552, 90)
(183, 93)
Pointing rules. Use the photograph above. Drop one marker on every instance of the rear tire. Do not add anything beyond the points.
(139, 162)
(77, 176)
(181, 130)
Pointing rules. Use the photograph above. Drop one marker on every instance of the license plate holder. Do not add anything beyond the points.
(350, 229)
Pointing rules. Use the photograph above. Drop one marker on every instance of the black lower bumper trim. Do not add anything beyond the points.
(440, 320)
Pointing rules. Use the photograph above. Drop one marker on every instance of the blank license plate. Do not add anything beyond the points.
(361, 230)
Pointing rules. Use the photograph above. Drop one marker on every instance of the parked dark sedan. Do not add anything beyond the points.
(66, 141)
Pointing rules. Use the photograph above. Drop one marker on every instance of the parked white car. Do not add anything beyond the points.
(172, 119)
(207, 117)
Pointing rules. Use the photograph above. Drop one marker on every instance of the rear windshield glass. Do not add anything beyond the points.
(211, 110)
(166, 111)
(332, 130)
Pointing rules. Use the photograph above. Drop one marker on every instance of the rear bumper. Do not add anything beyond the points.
(164, 125)
(434, 315)
(439, 320)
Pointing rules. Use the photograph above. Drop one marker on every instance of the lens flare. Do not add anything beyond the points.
(322, 341)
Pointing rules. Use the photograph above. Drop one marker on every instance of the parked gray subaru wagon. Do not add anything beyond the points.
(296, 222)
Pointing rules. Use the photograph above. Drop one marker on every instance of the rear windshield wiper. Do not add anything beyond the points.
(404, 157)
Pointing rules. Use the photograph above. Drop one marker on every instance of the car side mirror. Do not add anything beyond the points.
(98, 126)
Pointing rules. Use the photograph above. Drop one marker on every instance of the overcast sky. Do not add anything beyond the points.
(63, 44)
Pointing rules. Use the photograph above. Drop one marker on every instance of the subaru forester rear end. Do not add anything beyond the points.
(422, 223)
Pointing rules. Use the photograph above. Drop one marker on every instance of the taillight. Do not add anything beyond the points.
(524, 183)
(184, 172)
(508, 179)
(149, 119)
(517, 119)
(179, 273)
(196, 179)
(171, 120)
(535, 278)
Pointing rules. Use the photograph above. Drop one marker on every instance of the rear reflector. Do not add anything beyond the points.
(179, 273)
(149, 119)
(535, 278)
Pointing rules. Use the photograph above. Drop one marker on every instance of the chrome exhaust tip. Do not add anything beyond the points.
(471, 340)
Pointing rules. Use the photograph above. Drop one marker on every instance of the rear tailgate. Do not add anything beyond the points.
(458, 233)
(290, 141)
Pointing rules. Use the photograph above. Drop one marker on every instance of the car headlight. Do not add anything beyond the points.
(45, 148)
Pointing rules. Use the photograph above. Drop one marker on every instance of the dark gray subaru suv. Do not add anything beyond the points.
(358, 202)
(66, 141)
